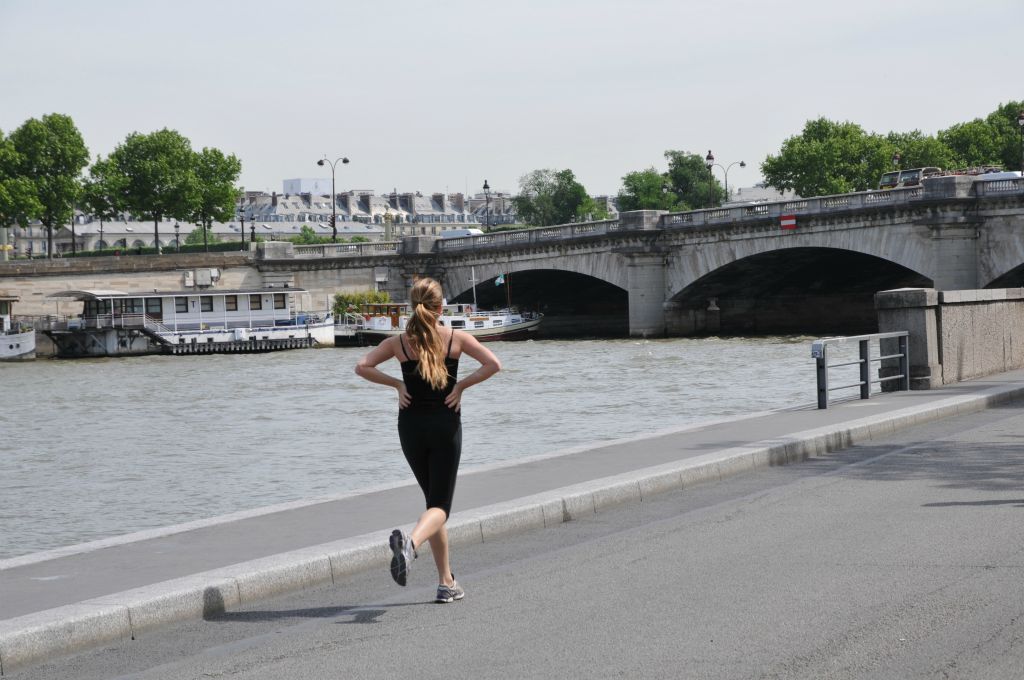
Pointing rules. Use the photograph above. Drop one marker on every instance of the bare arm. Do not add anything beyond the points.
(489, 365)
(366, 368)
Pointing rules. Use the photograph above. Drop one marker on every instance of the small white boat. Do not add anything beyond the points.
(17, 343)
(207, 321)
(374, 322)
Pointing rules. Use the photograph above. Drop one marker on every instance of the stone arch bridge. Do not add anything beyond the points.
(736, 269)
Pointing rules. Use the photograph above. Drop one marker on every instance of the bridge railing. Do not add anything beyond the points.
(998, 187)
(529, 236)
(775, 209)
(343, 249)
(820, 354)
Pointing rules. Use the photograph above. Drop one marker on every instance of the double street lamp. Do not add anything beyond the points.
(709, 162)
(334, 203)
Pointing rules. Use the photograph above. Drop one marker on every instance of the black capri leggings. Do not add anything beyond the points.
(432, 443)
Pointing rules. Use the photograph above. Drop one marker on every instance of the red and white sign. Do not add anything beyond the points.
(787, 221)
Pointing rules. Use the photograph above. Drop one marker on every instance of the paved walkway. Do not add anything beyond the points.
(68, 599)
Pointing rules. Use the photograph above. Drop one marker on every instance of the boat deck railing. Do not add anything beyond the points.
(164, 326)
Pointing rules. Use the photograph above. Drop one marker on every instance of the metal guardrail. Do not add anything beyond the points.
(819, 352)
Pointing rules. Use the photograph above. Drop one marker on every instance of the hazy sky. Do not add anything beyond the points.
(434, 96)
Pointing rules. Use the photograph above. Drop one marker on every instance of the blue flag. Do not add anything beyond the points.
(500, 280)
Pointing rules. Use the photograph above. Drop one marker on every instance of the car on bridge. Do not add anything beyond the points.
(907, 178)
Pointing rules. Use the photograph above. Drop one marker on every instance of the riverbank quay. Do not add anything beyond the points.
(67, 599)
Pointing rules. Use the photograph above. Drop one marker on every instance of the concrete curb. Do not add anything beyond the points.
(121, 616)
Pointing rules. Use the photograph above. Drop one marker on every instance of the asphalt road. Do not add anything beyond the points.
(899, 559)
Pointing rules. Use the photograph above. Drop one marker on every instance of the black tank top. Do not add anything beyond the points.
(423, 395)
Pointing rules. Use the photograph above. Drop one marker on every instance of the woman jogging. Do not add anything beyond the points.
(429, 421)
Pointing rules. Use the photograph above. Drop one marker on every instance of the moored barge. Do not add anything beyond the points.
(115, 323)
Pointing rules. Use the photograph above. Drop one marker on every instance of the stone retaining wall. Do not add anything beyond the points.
(955, 334)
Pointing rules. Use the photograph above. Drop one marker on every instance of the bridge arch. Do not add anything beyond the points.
(609, 267)
(575, 301)
(793, 289)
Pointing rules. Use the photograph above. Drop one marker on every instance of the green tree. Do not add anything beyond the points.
(1006, 128)
(993, 140)
(307, 236)
(51, 154)
(99, 193)
(200, 236)
(155, 177)
(646, 190)
(217, 196)
(549, 197)
(351, 302)
(691, 182)
(972, 143)
(18, 202)
(829, 158)
(918, 150)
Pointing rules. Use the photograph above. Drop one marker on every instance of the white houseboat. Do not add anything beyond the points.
(16, 343)
(113, 323)
(374, 322)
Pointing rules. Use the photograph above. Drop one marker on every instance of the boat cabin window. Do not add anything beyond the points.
(279, 301)
(181, 305)
(206, 303)
(458, 323)
(255, 302)
(154, 307)
(128, 306)
(231, 303)
(478, 324)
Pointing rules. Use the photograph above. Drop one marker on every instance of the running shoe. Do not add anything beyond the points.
(446, 594)
(403, 554)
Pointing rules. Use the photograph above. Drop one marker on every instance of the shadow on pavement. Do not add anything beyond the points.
(359, 613)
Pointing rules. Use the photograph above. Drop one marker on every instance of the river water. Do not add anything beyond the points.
(96, 448)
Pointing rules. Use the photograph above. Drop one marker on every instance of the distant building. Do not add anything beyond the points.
(410, 213)
(759, 193)
(316, 185)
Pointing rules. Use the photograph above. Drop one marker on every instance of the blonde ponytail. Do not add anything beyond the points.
(426, 300)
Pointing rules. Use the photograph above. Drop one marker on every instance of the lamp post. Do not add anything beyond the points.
(725, 171)
(710, 162)
(334, 204)
(896, 161)
(487, 204)
(241, 215)
(177, 237)
(1020, 122)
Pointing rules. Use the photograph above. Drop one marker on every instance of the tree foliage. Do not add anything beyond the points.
(351, 302)
(307, 236)
(196, 237)
(692, 183)
(217, 196)
(50, 153)
(918, 150)
(18, 202)
(549, 197)
(647, 190)
(829, 157)
(152, 176)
